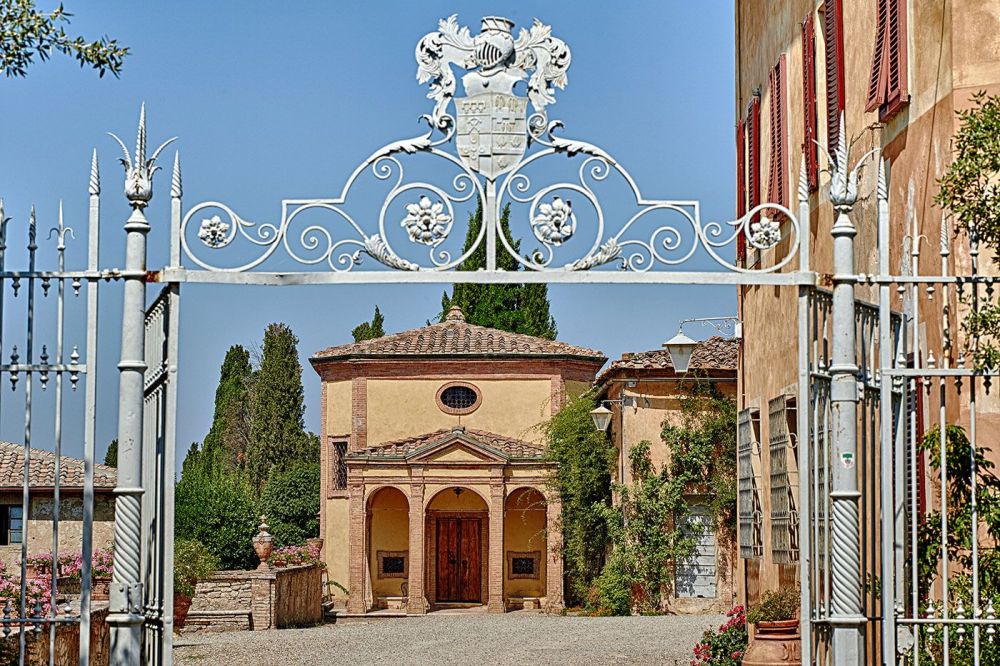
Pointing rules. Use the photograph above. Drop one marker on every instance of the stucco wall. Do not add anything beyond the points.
(405, 408)
(336, 544)
(524, 532)
(338, 407)
(38, 527)
(390, 522)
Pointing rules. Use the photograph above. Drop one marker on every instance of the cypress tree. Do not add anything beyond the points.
(225, 443)
(277, 432)
(518, 308)
(370, 330)
(111, 456)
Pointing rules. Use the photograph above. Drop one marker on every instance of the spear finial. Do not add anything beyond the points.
(883, 183)
(139, 170)
(32, 230)
(945, 236)
(140, 138)
(95, 176)
(803, 181)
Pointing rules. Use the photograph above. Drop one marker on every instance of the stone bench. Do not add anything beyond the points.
(525, 603)
(391, 603)
(213, 621)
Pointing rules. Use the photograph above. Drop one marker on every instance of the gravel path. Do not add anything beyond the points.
(478, 640)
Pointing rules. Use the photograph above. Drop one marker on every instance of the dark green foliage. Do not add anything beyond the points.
(226, 441)
(517, 308)
(775, 606)
(583, 482)
(703, 448)
(111, 456)
(970, 191)
(192, 562)
(277, 433)
(27, 33)
(219, 510)
(370, 330)
(645, 539)
(291, 504)
(961, 463)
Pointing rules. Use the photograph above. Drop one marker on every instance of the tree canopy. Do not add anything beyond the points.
(370, 330)
(518, 308)
(27, 34)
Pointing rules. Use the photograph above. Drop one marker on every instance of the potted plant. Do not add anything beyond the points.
(100, 574)
(776, 635)
(192, 562)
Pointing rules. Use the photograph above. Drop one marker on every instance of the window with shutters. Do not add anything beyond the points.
(809, 148)
(777, 179)
(833, 38)
(752, 135)
(784, 517)
(887, 89)
(750, 519)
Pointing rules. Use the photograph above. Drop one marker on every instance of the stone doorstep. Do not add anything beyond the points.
(391, 603)
(213, 621)
(526, 603)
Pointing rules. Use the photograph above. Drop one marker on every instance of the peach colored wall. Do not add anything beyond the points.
(338, 407)
(953, 49)
(336, 543)
(389, 531)
(524, 532)
(399, 408)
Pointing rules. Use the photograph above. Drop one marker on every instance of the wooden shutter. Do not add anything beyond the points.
(777, 187)
(741, 192)
(878, 79)
(887, 80)
(753, 152)
(833, 33)
(809, 148)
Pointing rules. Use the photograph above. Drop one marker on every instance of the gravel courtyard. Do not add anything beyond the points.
(478, 640)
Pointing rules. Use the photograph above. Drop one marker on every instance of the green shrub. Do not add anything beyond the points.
(218, 509)
(291, 504)
(192, 562)
(775, 606)
(726, 646)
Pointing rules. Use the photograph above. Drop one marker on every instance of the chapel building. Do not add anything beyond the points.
(435, 490)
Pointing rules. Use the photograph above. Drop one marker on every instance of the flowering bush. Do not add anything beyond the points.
(296, 555)
(726, 646)
(37, 597)
(71, 564)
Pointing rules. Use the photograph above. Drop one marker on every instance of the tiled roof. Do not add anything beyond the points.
(42, 470)
(715, 353)
(456, 337)
(515, 448)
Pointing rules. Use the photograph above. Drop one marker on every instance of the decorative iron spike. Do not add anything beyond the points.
(32, 231)
(43, 375)
(176, 187)
(76, 284)
(803, 180)
(94, 187)
(46, 285)
(6, 617)
(14, 357)
(945, 236)
(882, 187)
(960, 615)
(140, 138)
(991, 631)
(15, 284)
(74, 375)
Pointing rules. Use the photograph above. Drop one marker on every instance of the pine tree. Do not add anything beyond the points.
(519, 308)
(225, 443)
(277, 432)
(370, 330)
(111, 456)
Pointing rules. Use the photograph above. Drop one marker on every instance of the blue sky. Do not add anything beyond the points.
(283, 100)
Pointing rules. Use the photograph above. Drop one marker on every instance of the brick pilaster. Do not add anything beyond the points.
(262, 603)
(359, 414)
(356, 600)
(554, 601)
(496, 559)
(417, 601)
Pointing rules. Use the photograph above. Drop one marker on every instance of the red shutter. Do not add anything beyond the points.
(777, 187)
(833, 32)
(878, 78)
(809, 147)
(896, 54)
(741, 191)
(753, 153)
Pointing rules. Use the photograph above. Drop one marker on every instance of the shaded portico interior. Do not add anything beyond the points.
(455, 516)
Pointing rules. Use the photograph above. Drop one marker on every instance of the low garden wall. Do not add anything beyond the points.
(67, 652)
(257, 600)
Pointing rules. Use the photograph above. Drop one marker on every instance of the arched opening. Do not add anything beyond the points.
(458, 548)
(388, 554)
(524, 537)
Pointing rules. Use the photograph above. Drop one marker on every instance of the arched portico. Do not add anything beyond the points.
(387, 549)
(457, 543)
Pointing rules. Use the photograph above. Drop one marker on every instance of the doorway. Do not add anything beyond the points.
(459, 568)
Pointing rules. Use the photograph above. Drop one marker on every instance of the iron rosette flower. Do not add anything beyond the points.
(213, 232)
(554, 222)
(427, 222)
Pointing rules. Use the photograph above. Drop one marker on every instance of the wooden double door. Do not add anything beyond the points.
(459, 560)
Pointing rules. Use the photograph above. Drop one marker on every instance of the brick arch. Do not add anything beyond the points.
(376, 489)
(483, 498)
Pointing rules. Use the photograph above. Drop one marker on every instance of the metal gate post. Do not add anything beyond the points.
(846, 614)
(126, 604)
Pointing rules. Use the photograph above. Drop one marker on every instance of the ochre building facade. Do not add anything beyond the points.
(435, 491)
(897, 71)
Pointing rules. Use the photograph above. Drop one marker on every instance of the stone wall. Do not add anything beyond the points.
(257, 600)
(67, 651)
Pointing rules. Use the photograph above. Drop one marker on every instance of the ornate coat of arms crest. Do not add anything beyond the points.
(491, 122)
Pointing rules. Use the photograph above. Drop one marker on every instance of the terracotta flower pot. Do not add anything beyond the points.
(100, 589)
(182, 604)
(774, 644)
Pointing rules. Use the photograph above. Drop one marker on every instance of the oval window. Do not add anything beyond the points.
(458, 398)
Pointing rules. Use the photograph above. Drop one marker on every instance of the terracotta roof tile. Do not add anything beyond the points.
(456, 337)
(42, 470)
(715, 353)
(515, 448)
